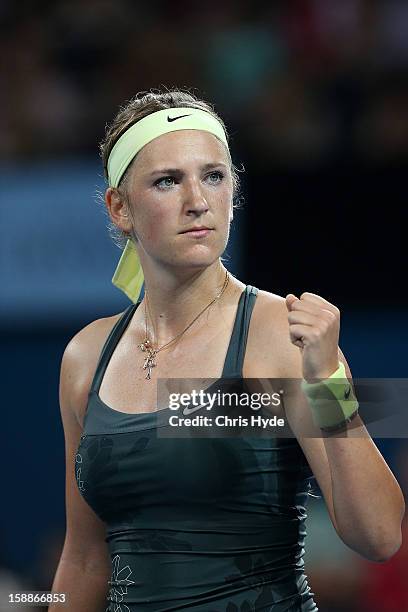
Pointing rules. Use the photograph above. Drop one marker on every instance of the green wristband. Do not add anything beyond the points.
(332, 401)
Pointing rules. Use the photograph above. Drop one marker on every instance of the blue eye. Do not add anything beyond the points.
(218, 174)
(160, 182)
(163, 182)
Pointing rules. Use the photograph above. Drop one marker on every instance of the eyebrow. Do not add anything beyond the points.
(177, 170)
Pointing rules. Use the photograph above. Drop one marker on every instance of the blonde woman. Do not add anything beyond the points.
(217, 524)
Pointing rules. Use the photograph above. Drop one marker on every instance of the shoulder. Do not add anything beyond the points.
(79, 363)
(87, 343)
(270, 352)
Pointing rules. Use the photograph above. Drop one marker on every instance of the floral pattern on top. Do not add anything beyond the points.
(78, 470)
(119, 583)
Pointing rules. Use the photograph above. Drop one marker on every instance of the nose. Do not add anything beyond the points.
(195, 200)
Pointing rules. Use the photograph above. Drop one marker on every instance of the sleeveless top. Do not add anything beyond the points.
(201, 524)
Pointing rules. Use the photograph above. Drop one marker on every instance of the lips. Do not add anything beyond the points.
(196, 229)
(196, 233)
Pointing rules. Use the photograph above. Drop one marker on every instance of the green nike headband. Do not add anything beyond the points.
(128, 276)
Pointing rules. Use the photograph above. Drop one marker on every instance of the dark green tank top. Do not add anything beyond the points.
(203, 524)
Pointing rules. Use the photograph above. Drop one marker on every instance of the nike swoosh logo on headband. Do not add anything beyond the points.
(175, 118)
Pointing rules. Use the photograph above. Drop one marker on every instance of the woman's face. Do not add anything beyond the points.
(179, 181)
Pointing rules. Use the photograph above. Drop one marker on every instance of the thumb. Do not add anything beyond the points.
(290, 298)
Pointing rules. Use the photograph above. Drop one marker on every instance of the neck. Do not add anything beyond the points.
(174, 301)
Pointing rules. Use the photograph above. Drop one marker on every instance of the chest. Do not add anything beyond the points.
(194, 362)
(196, 359)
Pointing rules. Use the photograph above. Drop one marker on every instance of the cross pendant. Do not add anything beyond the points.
(149, 364)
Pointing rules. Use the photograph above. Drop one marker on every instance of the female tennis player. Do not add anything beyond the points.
(210, 524)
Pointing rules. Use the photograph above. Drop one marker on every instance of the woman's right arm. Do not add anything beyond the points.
(84, 568)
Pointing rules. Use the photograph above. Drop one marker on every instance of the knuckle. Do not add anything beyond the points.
(324, 326)
(315, 334)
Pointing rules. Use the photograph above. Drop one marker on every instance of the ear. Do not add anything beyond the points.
(118, 209)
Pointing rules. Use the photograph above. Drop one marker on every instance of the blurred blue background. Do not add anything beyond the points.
(315, 96)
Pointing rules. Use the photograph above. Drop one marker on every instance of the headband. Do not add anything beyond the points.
(128, 276)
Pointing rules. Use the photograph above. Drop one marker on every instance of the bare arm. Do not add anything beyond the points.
(85, 590)
(84, 568)
(364, 500)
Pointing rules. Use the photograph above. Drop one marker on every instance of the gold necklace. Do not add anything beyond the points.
(147, 346)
